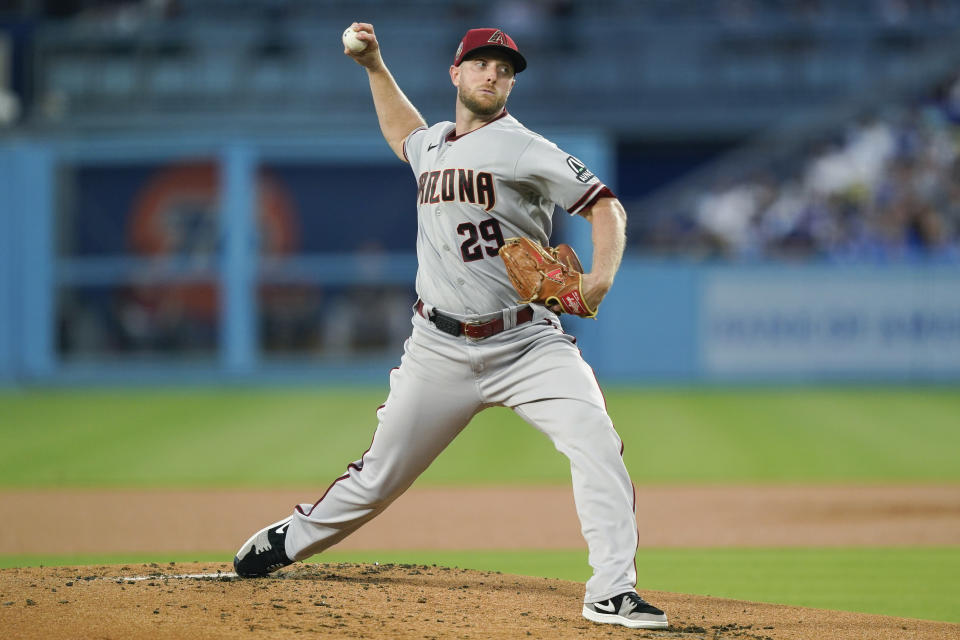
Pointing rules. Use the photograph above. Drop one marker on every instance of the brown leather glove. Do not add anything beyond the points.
(546, 275)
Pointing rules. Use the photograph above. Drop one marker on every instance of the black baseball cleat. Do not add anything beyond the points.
(628, 609)
(264, 552)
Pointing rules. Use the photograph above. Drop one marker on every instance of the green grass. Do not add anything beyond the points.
(278, 438)
(284, 438)
(914, 583)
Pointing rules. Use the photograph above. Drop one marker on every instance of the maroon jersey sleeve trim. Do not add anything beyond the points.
(594, 193)
(405, 142)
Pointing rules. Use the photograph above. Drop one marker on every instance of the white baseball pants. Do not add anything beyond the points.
(442, 382)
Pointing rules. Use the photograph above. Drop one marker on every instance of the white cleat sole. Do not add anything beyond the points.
(613, 618)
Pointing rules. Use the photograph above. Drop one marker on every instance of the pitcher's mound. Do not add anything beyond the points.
(204, 600)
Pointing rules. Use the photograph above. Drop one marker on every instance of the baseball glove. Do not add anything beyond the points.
(546, 275)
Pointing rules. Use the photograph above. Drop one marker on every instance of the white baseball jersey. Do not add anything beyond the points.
(475, 190)
(499, 181)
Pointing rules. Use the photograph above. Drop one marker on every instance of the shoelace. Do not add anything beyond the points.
(636, 600)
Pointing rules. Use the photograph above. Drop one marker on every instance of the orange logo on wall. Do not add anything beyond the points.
(176, 216)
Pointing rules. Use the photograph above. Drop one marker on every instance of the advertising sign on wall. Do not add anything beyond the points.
(899, 322)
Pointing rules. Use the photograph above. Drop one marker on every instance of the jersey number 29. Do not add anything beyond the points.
(471, 249)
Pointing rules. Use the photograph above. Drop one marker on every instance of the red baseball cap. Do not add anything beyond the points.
(489, 38)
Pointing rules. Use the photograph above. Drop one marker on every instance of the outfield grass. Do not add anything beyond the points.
(913, 583)
(282, 438)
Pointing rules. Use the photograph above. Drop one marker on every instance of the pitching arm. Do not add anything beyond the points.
(609, 220)
(396, 114)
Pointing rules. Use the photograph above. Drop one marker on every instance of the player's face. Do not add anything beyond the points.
(484, 83)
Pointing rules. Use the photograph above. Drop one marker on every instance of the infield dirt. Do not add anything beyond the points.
(408, 601)
(160, 520)
(382, 601)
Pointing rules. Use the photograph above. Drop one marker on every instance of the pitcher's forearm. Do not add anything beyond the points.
(609, 220)
(396, 114)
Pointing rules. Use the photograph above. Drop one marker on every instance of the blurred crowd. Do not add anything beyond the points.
(119, 13)
(732, 12)
(886, 188)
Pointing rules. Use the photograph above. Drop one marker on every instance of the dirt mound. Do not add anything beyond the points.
(381, 601)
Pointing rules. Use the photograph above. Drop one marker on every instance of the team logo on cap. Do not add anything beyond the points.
(459, 50)
(497, 38)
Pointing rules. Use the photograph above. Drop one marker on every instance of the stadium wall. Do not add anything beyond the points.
(773, 323)
(665, 321)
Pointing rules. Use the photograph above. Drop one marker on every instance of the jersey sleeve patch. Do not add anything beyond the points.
(580, 170)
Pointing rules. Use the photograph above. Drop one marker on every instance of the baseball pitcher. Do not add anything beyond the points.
(486, 330)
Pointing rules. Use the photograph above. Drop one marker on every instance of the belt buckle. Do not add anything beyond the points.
(472, 324)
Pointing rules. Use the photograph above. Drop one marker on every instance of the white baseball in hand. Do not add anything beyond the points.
(352, 42)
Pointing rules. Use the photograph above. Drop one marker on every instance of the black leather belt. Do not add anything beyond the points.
(475, 330)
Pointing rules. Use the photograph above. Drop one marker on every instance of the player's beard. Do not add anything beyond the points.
(481, 108)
